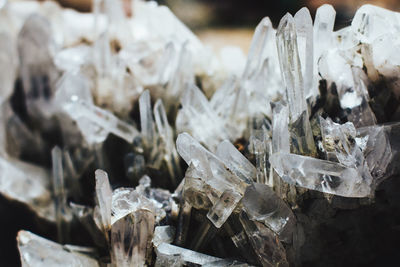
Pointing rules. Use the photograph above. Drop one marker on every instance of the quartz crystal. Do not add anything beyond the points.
(38, 251)
(124, 132)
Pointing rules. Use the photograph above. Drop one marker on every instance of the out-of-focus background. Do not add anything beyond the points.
(232, 22)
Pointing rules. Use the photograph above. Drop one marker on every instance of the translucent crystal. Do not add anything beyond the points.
(214, 171)
(262, 204)
(323, 33)
(305, 42)
(146, 119)
(198, 118)
(236, 162)
(286, 39)
(261, 147)
(104, 199)
(321, 175)
(280, 130)
(339, 143)
(269, 250)
(223, 208)
(37, 251)
(166, 134)
(256, 55)
(300, 128)
(35, 48)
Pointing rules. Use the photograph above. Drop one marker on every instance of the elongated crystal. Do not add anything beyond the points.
(236, 162)
(62, 211)
(146, 118)
(166, 133)
(38, 251)
(305, 42)
(321, 175)
(104, 198)
(262, 204)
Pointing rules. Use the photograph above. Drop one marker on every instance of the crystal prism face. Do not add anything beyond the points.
(321, 175)
(262, 204)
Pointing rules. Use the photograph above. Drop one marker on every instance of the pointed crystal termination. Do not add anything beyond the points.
(267, 246)
(280, 128)
(62, 211)
(321, 175)
(301, 135)
(236, 162)
(104, 200)
(258, 44)
(131, 238)
(263, 205)
(323, 34)
(305, 42)
(167, 136)
(198, 118)
(213, 170)
(82, 111)
(261, 147)
(36, 251)
(227, 186)
(37, 71)
(289, 60)
(146, 119)
(339, 143)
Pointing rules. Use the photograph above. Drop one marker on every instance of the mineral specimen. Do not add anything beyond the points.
(164, 154)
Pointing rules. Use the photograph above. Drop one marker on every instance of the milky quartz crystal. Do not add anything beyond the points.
(188, 153)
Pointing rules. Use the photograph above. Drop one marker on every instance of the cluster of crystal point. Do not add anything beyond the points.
(94, 104)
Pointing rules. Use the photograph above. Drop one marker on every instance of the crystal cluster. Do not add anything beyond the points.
(132, 131)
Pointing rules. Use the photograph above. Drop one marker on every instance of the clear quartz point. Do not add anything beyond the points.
(103, 120)
(305, 42)
(167, 253)
(236, 162)
(268, 248)
(300, 128)
(223, 208)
